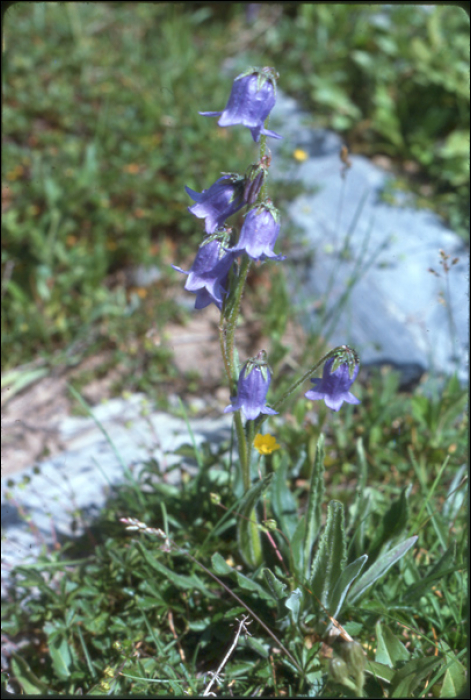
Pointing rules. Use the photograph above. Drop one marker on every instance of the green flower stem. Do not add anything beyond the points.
(250, 433)
(255, 544)
(222, 344)
(263, 147)
(242, 444)
(303, 378)
(230, 329)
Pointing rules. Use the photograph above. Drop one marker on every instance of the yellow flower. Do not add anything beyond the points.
(300, 155)
(265, 444)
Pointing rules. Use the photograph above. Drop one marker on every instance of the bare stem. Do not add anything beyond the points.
(242, 628)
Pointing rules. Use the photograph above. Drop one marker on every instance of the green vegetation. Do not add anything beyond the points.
(394, 83)
(101, 134)
(119, 612)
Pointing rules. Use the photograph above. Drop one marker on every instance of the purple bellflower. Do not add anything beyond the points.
(259, 233)
(252, 387)
(208, 275)
(220, 201)
(334, 387)
(252, 98)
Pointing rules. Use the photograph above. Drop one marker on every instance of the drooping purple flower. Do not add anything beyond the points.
(220, 201)
(259, 233)
(252, 98)
(252, 387)
(334, 387)
(208, 275)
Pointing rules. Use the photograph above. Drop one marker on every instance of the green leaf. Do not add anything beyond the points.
(454, 680)
(455, 495)
(379, 568)
(183, 582)
(394, 521)
(277, 587)
(248, 534)
(389, 649)
(25, 676)
(357, 509)
(59, 650)
(297, 548)
(314, 505)
(344, 581)
(381, 671)
(222, 568)
(31, 577)
(284, 505)
(16, 380)
(330, 557)
(406, 681)
(294, 603)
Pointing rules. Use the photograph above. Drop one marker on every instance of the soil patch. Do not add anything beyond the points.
(31, 418)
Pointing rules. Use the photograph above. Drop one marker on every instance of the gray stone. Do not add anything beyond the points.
(349, 239)
(81, 477)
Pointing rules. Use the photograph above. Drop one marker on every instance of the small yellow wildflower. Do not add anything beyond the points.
(132, 168)
(265, 444)
(300, 155)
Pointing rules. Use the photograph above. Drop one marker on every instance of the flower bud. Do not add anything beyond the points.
(338, 669)
(354, 656)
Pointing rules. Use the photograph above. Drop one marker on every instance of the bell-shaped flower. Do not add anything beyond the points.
(220, 201)
(209, 273)
(334, 387)
(252, 387)
(259, 233)
(252, 98)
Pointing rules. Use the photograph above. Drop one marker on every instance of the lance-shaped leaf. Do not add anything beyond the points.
(283, 503)
(344, 581)
(248, 535)
(314, 505)
(357, 508)
(297, 549)
(379, 568)
(330, 558)
(393, 522)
